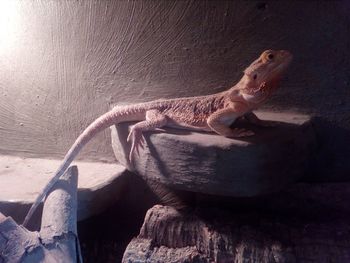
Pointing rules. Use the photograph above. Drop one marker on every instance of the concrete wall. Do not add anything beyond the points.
(63, 63)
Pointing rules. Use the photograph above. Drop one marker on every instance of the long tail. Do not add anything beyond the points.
(101, 123)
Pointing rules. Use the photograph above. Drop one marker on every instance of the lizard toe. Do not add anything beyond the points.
(131, 134)
(137, 139)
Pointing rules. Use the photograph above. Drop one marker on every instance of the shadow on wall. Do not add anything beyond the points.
(331, 163)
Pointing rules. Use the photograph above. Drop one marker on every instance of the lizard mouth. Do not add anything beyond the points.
(270, 75)
(271, 80)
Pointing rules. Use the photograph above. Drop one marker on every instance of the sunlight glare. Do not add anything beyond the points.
(9, 24)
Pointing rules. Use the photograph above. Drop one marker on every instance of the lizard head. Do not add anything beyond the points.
(263, 75)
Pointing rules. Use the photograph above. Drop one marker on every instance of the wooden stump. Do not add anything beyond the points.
(57, 240)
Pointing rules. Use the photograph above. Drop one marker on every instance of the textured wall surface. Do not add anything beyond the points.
(62, 63)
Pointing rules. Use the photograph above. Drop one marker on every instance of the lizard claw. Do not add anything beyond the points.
(135, 136)
(131, 134)
(160, 130)
(236, 133)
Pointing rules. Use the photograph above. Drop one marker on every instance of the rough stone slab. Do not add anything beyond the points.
(21, 180)
(142, 250)
(212, 164)
(214, 235)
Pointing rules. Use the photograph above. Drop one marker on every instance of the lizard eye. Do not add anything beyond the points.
(270, 56)
(255, 76)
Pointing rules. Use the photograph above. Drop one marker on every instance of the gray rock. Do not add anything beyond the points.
(212, 164)
(214, 235)
(21, 179)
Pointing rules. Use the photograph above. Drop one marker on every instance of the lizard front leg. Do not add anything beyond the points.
(154, 119)
(252, 118)
(221, 120)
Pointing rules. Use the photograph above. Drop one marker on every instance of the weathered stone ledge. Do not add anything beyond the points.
(21, 179)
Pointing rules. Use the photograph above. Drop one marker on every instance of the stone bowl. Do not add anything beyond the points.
(211, 164)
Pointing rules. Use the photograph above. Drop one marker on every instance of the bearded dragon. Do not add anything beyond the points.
(213, 113)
